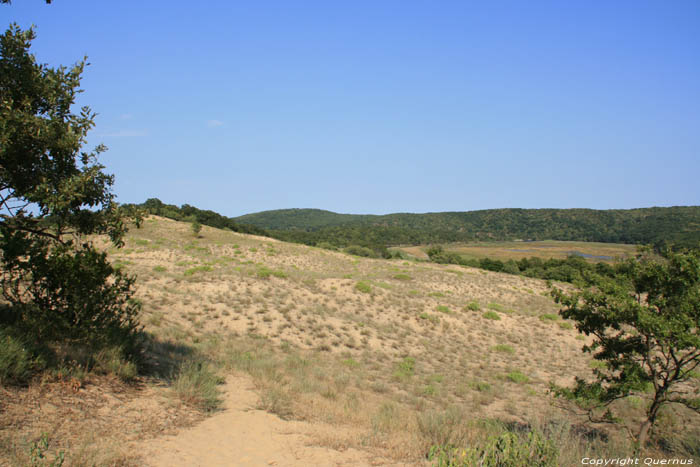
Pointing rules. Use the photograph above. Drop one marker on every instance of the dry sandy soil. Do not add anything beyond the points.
(328, 359)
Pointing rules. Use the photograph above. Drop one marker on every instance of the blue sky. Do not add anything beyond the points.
(387, 106)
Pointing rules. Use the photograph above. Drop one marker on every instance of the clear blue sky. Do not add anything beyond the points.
(387, 106)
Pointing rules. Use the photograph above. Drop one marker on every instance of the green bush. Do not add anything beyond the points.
(549, 317)
(473, 306)
(73, 296)
(492, 315)
(405, 368)
(495, 307)
(403, 277)
(17, 362)
(363, 287)
(443, 309)
(360, 251)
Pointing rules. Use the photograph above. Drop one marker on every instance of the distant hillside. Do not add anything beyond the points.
(679, 225)
(301, 219)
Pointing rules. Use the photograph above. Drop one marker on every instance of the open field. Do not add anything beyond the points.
(390, 357)
(546, 249)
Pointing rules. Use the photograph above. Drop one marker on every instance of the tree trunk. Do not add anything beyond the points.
(642, 436)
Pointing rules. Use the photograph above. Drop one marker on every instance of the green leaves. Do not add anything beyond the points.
(52, 195)
(646, 326)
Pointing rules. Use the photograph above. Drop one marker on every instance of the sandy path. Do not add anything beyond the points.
(240, 435)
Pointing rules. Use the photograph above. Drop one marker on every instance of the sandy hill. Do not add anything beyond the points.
(368, 361)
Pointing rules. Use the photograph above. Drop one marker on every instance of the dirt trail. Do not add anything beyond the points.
(240, 435)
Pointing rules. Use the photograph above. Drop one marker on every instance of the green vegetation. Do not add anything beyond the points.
(443, 309)
(405, 368)
(363, 287)
(196, 384)
(492, 315)
(676, 225)
(507, 449)
(196, 228)
(503, 348)
(495, 306)
(572, 269)
(190, 213)
(654, 310)
(473, 306)
(196, 269)
(658, 226)
(57, 288)
(265, 272)
(517, 377)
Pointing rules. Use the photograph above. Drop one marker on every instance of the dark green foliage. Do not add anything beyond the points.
(57, 286)
(360, 251)
(675, 225)
(17, 360)
(646, 331)
(63, 294)
(324, 228)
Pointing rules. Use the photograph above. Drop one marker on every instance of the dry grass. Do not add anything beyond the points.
(403, 361)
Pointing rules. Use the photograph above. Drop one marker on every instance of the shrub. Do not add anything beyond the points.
(363, 287)
(491, 315)
(443, 428)
(196, 383)
(495, 306)
(549, 317)
(405, 368)
(403, 277)
(112, 361)
(265, 273)
(507, 449)
(360, 251)
(17, 361)
(443, 309)
(473, 306)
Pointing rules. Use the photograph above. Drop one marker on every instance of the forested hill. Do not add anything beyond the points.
(675, 225)
(680, 225)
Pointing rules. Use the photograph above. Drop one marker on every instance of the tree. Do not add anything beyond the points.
(645, 328)
(52, 196)
(196, 228)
